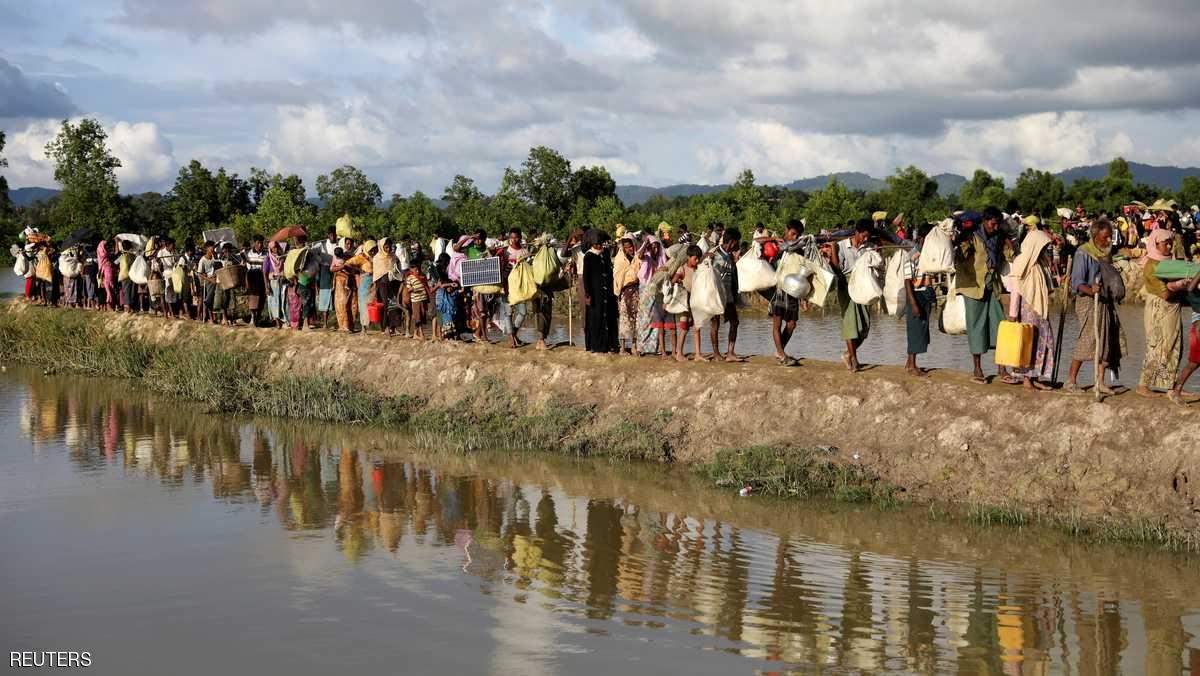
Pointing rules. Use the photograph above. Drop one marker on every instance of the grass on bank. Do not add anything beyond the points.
(796, 472)
(489, 415)
(1141, 531)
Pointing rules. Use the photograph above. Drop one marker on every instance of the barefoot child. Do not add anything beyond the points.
(418, 298)
(683, 320)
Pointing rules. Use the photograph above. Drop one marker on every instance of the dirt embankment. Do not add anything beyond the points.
(942, 438)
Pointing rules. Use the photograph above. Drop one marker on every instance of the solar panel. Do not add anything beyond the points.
(480, 271)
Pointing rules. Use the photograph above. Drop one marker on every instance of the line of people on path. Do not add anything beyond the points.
(642, 293)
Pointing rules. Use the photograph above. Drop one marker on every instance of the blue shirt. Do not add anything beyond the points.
(1085, 271)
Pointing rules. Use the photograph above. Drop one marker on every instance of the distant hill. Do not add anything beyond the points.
(855, 180)
(636, 194)
(23, 197)
(1168, 178)
(949, 184)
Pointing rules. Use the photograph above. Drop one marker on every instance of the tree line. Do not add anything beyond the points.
(545, 193)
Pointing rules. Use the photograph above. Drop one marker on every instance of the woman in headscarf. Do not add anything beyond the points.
(651, 320)
(345, 304)
(277, 291)
(1030, 302)
(107, 275)
(361, 261)
(1086, 283)
(625, 288)
(383, 263)
(1164, 339)
(599, 302)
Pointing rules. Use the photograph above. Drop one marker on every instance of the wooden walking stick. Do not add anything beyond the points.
(1096, 332)
(571, 315)
(1062, 322)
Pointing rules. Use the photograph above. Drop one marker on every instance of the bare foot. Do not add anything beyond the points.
(1142, 391)
(680, 358)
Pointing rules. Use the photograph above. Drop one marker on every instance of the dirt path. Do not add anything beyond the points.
(938, 438)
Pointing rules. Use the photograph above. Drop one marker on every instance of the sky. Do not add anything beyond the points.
(658, 91)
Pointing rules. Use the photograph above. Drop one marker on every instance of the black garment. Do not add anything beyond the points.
(543, 311)
(600, 315)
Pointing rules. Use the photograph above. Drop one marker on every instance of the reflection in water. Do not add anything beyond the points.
(560, 560)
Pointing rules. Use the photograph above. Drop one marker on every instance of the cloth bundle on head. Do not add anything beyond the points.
(1029, 276)
(620, 231)
(1163, 205)
(1032, 221)
(879, 216)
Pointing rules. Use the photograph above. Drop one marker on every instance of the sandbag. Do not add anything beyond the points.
(953, 321)
(675, 298)
(863, 283)
(21, 266)
(754, 272)
(545, 266)
(139, 271)
(708, 294)
(344, 227)
(893, 283)
(439, 246)
(521, 286)
(823, 281)
(937, 255)
(44, 269)
(294, 262)
(69, 265)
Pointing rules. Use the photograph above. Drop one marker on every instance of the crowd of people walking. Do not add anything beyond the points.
(643, 292)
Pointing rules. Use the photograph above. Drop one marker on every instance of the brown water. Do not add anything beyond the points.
(164, 540)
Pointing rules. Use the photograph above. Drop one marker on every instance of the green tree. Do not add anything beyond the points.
(194, 201)
(592, 183)
(545, 182)
(982, 191)
(1090, 193)
(1119, 188)
(832, 207)
(233, 196)
(606, 212)
(466, 206)
(86, 170)
(749, 202)
(347, 190)
(1189, 192)
(1038, 192)
(418, 217)
(148, 212)
(912, 192)
(278, 209)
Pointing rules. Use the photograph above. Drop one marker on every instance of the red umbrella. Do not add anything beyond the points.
(289, 232)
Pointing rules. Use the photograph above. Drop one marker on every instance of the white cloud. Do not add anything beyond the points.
(147, 160)
(617, 168)
(778, 154)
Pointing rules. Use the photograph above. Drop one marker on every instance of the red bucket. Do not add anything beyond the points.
(375, 312)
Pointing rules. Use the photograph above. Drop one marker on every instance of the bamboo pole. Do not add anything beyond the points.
(1096, 332)
(1062, 322)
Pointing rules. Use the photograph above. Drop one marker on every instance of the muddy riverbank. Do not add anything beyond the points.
(1122, 462)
